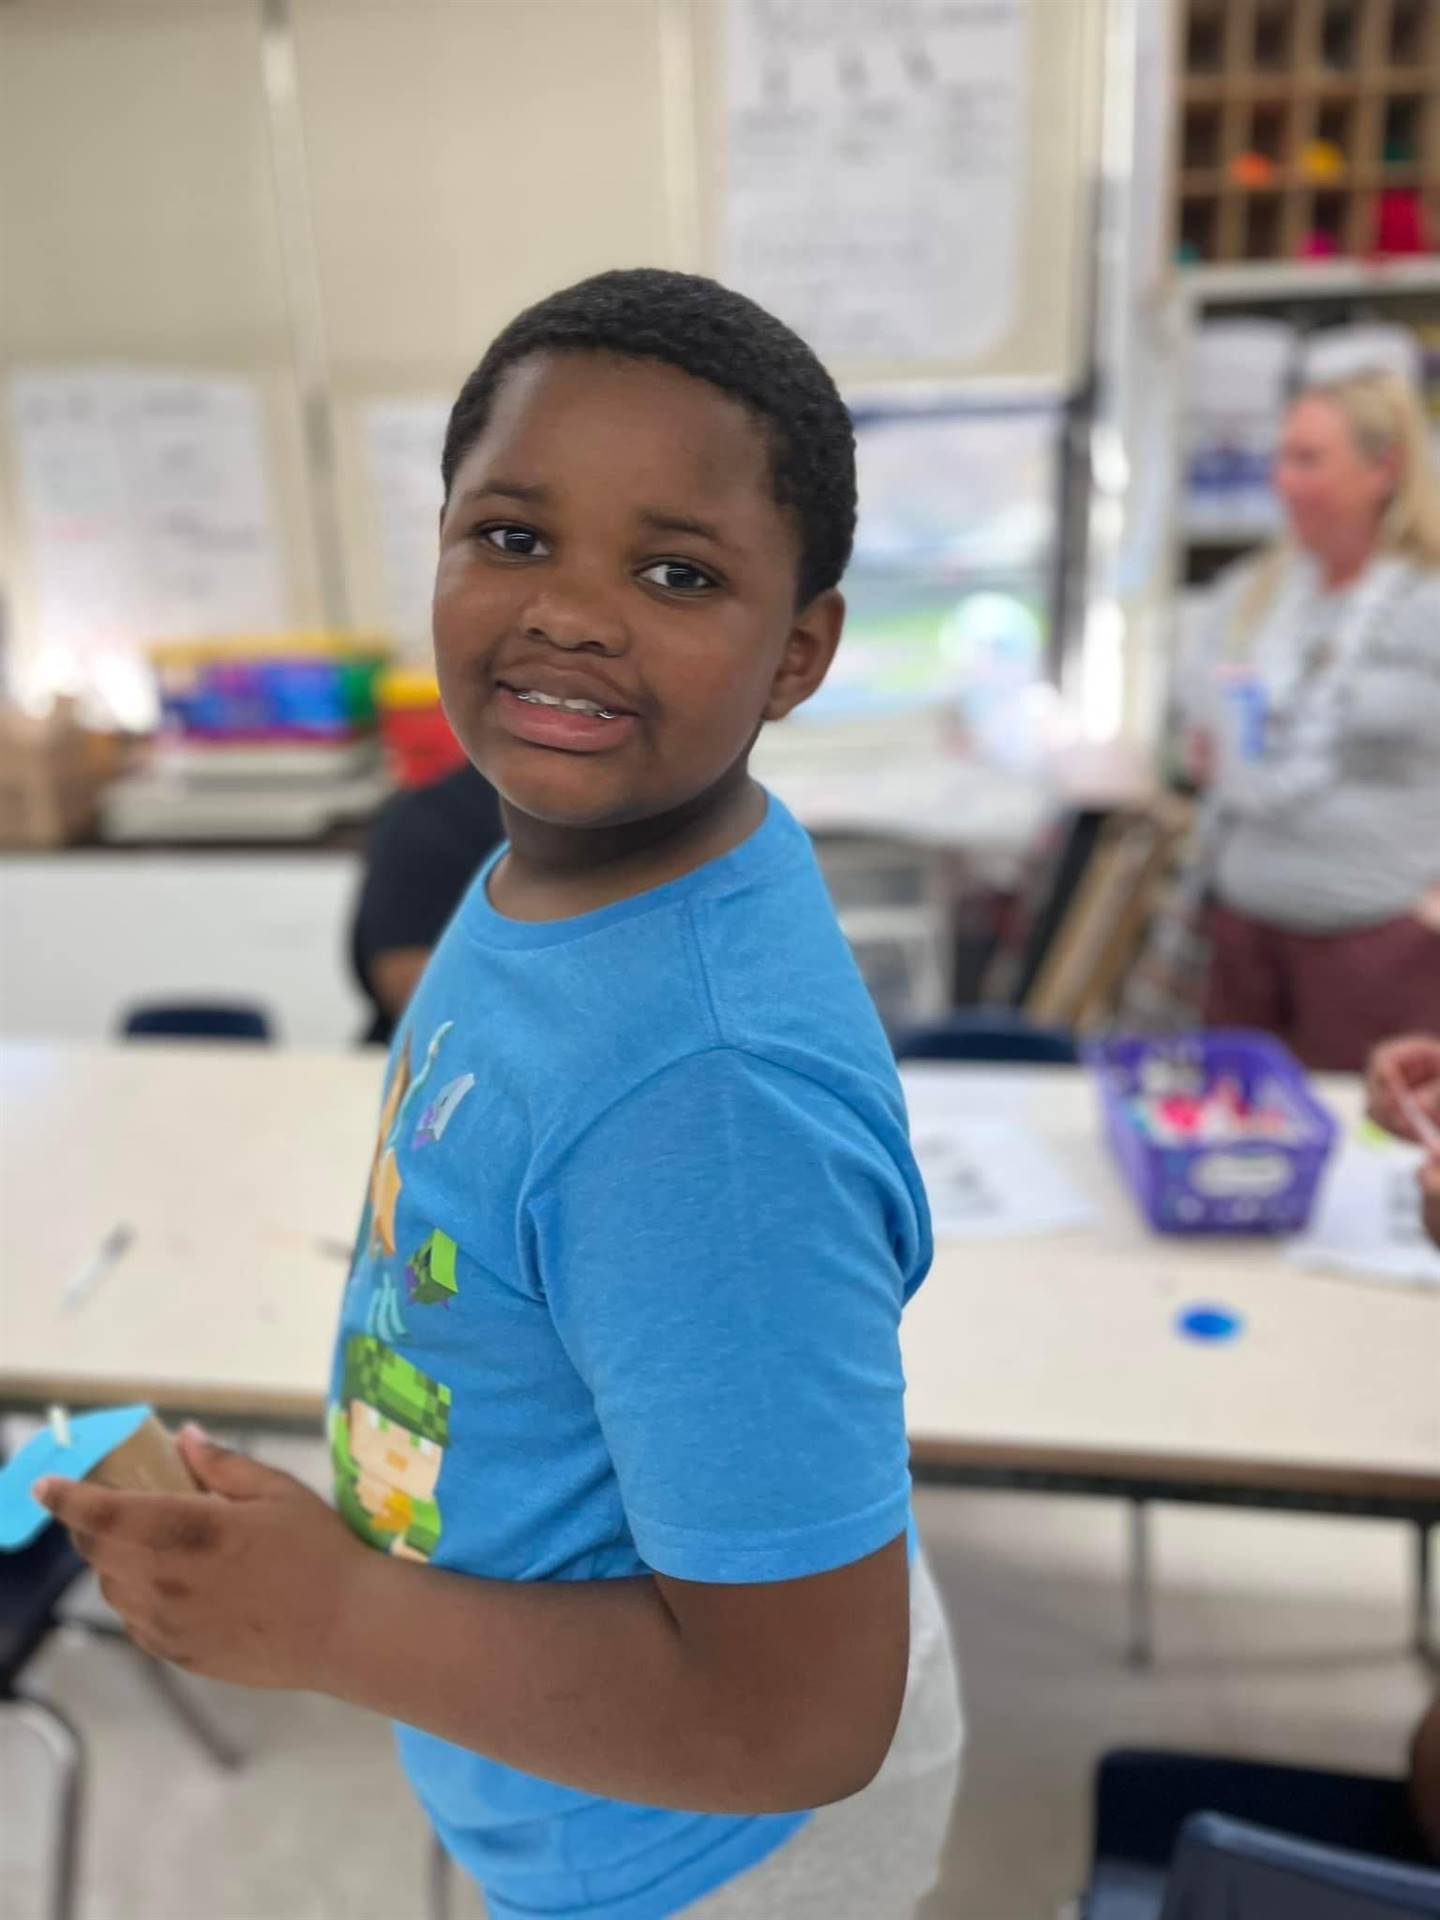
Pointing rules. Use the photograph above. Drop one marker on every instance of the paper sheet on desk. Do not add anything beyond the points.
(992, 1178)
(1367, 1223)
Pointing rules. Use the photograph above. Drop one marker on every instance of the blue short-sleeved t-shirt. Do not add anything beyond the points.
(640, 1225)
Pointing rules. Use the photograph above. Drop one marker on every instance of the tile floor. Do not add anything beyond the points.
(1277, 1635)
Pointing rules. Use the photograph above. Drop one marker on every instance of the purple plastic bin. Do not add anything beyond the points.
(1253, 1186)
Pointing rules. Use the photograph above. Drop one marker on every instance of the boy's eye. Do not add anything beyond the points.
(519, 541)
(677, 576)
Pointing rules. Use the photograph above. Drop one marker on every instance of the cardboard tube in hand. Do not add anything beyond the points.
(148, 1462)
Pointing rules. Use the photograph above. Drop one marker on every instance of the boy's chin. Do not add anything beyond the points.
(565, 796)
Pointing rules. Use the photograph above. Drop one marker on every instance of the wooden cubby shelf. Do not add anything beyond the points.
(1306, 129)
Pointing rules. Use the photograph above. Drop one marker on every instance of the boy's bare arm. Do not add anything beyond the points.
(753, 1699)
(741, 1699)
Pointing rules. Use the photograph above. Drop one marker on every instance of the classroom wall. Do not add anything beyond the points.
(138, 221)
(463, 157)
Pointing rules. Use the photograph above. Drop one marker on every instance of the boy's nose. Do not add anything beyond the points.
(576, 625)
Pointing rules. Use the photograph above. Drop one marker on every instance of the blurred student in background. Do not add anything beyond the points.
(1318, 731)
(424, 849)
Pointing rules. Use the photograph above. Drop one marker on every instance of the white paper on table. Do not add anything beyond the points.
(1368, 1220)
(874, 162)
(939, 1092)
(403, 442)
(993, 1179)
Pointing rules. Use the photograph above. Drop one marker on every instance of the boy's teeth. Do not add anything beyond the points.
(575, 706)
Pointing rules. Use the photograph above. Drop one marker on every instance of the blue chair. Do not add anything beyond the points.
(990, 1036)
(197, 1020)
(1229, 1870)
(1144, 1799)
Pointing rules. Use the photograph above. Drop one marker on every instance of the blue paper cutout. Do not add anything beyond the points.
(93, 1437)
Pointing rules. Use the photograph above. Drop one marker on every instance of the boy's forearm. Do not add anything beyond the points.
(587, 1683)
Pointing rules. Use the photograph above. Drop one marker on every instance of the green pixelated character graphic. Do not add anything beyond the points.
(430, 1271)
(387, 1442)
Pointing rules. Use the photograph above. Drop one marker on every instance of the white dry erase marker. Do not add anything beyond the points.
(111, 1249)
(1426, 1131)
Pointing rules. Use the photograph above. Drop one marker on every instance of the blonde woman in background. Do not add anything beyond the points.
(1319, 732)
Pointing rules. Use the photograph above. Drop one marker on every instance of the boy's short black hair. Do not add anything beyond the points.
(704, 329)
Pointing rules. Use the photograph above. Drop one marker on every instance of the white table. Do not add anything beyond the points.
(1050, 1363)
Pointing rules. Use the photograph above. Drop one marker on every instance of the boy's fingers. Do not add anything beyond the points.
(1412, 1061)
(221, 1470)
(168, 1522)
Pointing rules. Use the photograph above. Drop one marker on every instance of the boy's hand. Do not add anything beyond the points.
(1407, 1066)
(247, 1587)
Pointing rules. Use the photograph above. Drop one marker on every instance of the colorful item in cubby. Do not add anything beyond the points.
(276, 689)
(1400, 225)
(1321, 160)
(419, 746)
(1214, 1132)
(1252, 170)
(1319, 245)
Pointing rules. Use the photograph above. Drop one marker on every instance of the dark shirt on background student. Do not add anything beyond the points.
(424, 847)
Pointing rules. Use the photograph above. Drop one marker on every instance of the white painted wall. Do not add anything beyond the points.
(84, 936)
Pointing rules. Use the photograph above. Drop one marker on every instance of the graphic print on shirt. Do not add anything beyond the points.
(430, 1276)
(377, 1251)
(441, 1110)
(388, 1438)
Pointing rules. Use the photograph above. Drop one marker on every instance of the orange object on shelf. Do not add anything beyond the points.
(419, 746)
(1252, 170)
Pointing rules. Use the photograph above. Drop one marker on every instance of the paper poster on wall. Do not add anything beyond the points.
(146, 508)
(874, 170)
(206, 531)
(403, 439)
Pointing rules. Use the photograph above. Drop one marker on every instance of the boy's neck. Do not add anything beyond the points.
(553, 873)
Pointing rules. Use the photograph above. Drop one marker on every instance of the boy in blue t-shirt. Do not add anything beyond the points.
(617, 1404)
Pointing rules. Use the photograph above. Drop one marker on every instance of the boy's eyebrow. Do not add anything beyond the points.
(656, 521)
(531, 494)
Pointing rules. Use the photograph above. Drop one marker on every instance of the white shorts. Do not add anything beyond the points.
(877, 1855)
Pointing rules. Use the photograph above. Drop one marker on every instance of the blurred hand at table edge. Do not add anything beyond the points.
(1408, 1064)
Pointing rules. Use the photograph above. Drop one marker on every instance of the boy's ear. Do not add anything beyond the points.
(809, 650)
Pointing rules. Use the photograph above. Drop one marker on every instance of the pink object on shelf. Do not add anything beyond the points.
(1318, 245)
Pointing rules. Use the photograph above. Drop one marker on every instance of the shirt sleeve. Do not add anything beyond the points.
(726, 1254)
(1396, 697)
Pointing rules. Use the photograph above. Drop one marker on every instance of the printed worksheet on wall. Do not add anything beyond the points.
(874, 170)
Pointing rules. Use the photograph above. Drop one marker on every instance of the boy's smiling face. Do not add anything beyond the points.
(612, 541)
